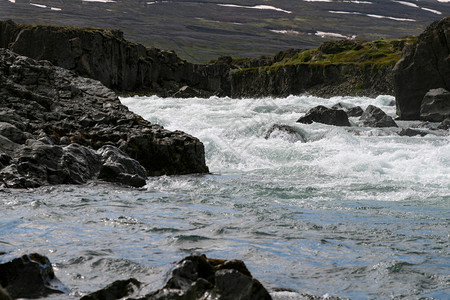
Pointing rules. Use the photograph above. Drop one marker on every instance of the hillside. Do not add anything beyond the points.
(199, 31)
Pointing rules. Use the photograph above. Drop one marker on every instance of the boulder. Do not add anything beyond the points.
(423, 66)
(66, 118)
(435, 105)
(4, 294)
(374, 117)
(12, 132)
(119, 167)
(411, 132)
(322, 114)
(197, 277)
(116, 290)
(351, 110)
(285, 132)
(444, 124)
(30, 276)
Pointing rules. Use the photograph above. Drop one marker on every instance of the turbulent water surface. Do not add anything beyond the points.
(352, 212)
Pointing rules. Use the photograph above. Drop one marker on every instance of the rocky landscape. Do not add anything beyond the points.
(57, 127)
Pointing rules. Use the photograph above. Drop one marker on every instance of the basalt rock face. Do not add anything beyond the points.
(325, 80)
(53, 125)
(435, 105)
(106, 56)
(30, 276)
(423, 66)
(325, 115)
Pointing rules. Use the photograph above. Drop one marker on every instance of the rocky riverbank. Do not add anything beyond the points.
(57, 127)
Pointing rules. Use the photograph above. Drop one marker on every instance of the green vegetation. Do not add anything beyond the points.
(380, 53)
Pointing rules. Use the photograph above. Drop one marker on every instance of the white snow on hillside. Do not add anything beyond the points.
(263, 7)
(370, 15)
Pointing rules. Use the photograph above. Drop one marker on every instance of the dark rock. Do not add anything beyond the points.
(352, 111)
(116, 290)
(322, 114)
(435, 105)
(12, 132)
(119, 167)
(196, 277)
(289, 133)
(374, 117)
(104, 55)
(423, 66)
(30, 276)
(189, 92)
(59, 108)
(4, 294)
(411, 132)
(444, 124)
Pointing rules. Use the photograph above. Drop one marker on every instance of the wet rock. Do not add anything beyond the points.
(444, 124)
(285, 132)
(116, 290)
(411, 132)
(352, 111)
(322, 114)
(119, 167)
(374, 117)
(189, 92)
(435, 105)
(423, 66)
(30, 276)
(197, 277)
(65, 118)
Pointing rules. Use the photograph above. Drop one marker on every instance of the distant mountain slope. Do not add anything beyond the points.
(202, 30)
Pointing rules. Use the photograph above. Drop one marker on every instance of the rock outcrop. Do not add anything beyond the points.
(30, 276)
(435, 105)
(104, 55)
(57, 127)
(325, 115)
(375, 117)
(424, 65)
(194, 277)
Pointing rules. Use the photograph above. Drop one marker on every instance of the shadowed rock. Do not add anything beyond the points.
(49, 109)
(423, 66)
(352, 111)
(30, 276)
(435, 105)
(197, 277)
(444, 124)
(374, 117)
(322, 114)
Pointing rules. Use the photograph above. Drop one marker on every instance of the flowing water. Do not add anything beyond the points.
(351, 212)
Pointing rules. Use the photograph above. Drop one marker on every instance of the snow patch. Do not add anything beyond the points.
(39, 5)
(285, 31)
(263, 7)
(323, 34)
(12, 1)
(102, 1)
(408, 4)
(432, 10)
(371, 15)
(55, 8)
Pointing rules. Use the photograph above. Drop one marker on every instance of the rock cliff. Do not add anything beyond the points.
(424, 65)
(335, 68)
(106, 56)
(57, 127)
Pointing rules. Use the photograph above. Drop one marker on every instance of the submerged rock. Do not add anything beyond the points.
(411, 132)
(423, 66)
(57, 120)
(374, 117)
(289, 133)
(444, 124)
(322, 114)
(30, 276)
(116, 290)
(435, 105)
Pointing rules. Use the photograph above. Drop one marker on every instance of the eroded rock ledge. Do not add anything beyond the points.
(57, 127)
